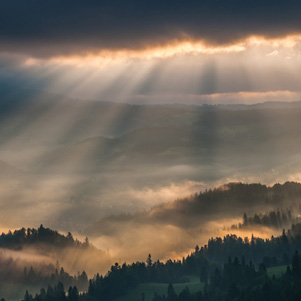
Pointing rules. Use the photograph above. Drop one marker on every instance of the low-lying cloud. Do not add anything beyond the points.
(175, 227)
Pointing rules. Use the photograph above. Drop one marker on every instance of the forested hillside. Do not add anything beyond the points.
(41, 236)
(123, 279)
(229, 267)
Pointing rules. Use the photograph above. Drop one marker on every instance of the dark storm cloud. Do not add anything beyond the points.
(42, 26)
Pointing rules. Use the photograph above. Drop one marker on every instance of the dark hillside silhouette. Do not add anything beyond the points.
(31, 236)
(231, 268)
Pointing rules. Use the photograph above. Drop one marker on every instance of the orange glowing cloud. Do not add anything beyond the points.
(174, 48)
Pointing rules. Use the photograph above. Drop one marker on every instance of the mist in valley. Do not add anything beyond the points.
(77, 165)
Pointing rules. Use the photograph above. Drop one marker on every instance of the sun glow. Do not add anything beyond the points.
(175, 48)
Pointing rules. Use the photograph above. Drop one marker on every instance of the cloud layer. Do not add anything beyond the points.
(56, 27)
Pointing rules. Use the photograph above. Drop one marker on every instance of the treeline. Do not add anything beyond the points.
(250, 194)
(228, 200)
(25, 237)
(274, 219)
(54, 293)
(224, 278)
(39, 274)
(31, 277)
(13, 270)
(237, 280)
(273, 251)
(241, 281)
(206, 262)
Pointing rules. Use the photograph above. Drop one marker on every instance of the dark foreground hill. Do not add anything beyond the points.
(229, 268)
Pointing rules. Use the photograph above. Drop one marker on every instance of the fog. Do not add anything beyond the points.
(176, 227)
(114, 171)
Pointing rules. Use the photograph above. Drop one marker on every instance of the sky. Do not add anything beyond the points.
(148, 52)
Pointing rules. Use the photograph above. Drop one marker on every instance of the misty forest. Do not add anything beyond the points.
(150, 150)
